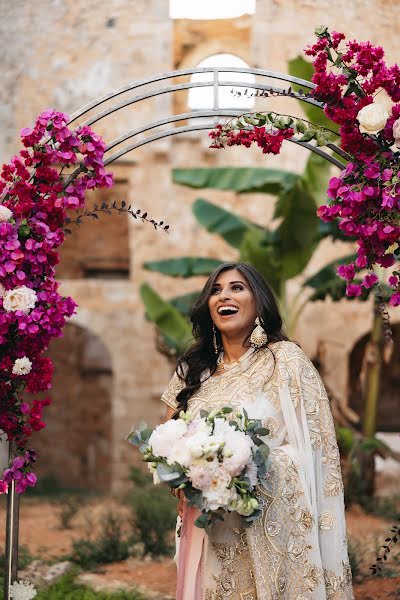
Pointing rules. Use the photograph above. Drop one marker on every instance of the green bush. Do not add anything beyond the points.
(111, 545)
(354, 559)
(66, 589)
(24, 558)
(154, 518)
(69, 507)
(385, 508)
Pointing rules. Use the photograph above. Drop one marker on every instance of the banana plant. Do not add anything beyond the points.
(172, 325)
(279, 253)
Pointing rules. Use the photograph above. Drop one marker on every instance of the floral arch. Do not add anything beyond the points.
(36, 197)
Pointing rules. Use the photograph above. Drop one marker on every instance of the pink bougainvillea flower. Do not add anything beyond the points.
(395, 299)
(33, 193)
(347, 272)
(370, 280)
(353, 289)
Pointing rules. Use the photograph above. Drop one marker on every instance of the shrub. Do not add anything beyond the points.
(354, 559)
(110, 546)
(154, 518)
(69, 507)
(24, 558)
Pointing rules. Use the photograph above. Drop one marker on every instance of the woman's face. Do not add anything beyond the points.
(232, 304)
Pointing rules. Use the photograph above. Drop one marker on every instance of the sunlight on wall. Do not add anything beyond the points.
(210, 9)
(201, 98)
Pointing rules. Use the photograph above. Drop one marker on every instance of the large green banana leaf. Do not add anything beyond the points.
(220, 221)
(171, 323)
(257, 250)
(298, 231)
(184, 303)
(298, 67)
(237, 179)
(184, 266)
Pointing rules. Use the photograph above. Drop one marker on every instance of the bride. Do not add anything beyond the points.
(297, 550)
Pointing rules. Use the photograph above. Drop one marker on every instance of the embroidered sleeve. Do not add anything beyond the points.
(173, 389)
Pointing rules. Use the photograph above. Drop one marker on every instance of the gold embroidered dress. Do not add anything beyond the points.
(297, 550)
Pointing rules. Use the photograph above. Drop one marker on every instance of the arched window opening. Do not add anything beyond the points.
(228, 97)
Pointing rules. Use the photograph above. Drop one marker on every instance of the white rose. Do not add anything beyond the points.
(372, 118)
(2, 290)
(166, 435)
(212, 446)
(237, 451)
(5, 214)
(20, 298)
(22, 366)
(180, 453)
(396, 132)
(219, 494)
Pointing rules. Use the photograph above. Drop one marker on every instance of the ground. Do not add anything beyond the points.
(41, 533)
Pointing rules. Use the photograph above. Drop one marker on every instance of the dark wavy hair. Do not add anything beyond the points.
(201, 355)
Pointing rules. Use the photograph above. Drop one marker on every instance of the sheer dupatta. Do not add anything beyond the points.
(299, 546)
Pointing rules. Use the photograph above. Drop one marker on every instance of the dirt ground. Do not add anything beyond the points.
(41, 533)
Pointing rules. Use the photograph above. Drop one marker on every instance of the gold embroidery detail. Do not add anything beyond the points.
(273, 426)
(236, 579)
(338, 587)
(326, 521)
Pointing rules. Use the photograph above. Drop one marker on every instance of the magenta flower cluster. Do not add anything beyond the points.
(48, 177)
(365, 198)
(20, 470)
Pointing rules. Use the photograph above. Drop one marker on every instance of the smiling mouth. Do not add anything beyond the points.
(226, 311)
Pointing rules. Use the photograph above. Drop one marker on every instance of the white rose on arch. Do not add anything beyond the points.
(5, 214)
(372, 118)
(396, 133)
(20, 298)
(22, 366)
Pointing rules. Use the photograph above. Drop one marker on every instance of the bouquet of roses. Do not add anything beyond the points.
(216, 458)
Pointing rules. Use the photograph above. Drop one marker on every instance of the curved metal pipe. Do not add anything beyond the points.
(199, 115)
(185, 86)
(179, 73)
(203, 126)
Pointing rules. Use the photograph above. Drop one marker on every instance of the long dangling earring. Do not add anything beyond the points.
(258, 336)
(220, 357)
(215, 343)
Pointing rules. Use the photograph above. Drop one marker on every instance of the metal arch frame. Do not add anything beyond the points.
(214, 114)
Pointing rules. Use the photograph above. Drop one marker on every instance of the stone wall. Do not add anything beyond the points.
(64, 54)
